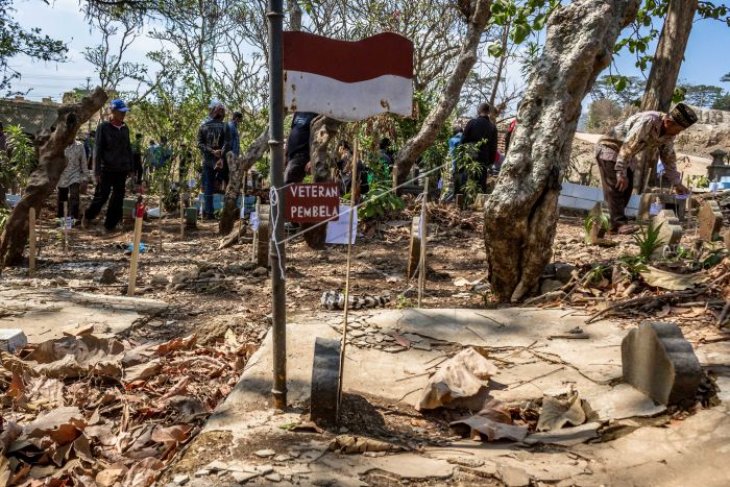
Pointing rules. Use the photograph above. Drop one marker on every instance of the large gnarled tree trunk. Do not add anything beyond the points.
(665, 72)
(238, 168)
(43, 181)
(521, 214)
(324, 130)
(478, 14)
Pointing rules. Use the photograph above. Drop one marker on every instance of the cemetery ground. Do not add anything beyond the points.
(172, 386)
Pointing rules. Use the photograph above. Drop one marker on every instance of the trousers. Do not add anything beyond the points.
(110, 184)
(616, 200)
(72, 195)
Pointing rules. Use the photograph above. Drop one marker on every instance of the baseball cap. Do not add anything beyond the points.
(118, 105)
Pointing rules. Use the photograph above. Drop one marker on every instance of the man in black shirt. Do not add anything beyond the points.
(297, 147)
(481, 133)
(213, 142)
(114, 162)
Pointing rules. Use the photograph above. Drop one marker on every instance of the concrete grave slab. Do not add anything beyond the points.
(44, 314)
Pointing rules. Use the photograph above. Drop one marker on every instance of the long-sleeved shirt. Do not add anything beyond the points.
(639, 132)
(298, 141)
(113, 149)
(482, 131)
(212, 136)
(235, 140)
(76, 171)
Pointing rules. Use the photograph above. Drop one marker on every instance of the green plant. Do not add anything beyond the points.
(592, 220)
(467, 164)
(634, 265)
(597, 273)
(20, 160)
(648, 241)
(380, 201)
(402, 302)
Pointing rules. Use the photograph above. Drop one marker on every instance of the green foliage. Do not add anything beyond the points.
(648, 241)
(17, 40)
(402, 302)
(380, 201)
(722, 102)
(623, 90)
(466, 162)
(643, 31)
(16, 168)
(597, 273)
(591, 220)
(702, 95)
(634, 265)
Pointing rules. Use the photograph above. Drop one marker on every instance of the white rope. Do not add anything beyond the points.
(274, 201)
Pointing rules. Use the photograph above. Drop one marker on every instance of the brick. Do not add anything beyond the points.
(671, 230)
(710, 221)
(658, 361)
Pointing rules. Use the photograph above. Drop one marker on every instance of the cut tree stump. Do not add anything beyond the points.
(414, 250)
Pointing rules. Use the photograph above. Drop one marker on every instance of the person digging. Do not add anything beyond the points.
(616, 154)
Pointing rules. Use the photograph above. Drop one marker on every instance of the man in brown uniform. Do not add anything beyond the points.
(616, 155)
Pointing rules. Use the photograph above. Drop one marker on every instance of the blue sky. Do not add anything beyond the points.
(706, 60)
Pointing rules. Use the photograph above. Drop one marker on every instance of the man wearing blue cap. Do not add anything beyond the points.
(114, 162)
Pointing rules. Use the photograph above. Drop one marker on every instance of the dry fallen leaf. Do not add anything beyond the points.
(493, 422)
(143, 473)
(110, 476)
(62, 425)
(173, 434)
(556, 413)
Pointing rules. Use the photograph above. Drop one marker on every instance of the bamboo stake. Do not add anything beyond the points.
(138, 219)
(353, 208)
(32, 243)
(423, 232)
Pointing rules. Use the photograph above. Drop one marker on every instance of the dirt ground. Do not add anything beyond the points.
(215, 294)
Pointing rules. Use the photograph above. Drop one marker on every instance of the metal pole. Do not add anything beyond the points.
(276, 247)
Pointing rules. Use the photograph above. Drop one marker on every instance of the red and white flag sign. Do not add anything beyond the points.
(348, 80)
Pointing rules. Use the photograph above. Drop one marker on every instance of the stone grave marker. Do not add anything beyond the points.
(671, 231)
(710, 221)
(658, 361)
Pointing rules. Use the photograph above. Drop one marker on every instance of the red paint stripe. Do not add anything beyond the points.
(349, 62)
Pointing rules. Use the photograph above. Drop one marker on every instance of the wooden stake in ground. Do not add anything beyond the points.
(353, 207)
(32, 242)
(423, 232)
(138, 219)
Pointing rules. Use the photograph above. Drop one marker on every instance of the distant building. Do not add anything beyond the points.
(34, 116)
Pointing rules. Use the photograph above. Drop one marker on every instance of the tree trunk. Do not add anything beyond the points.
(51, 163)
(521, 214)
(295, 15)
(324, 130)
(665, 72)
(238, 167)
(500, 68)
(413, 148)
